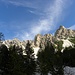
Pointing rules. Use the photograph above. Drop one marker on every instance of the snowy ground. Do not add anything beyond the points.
(69, 70)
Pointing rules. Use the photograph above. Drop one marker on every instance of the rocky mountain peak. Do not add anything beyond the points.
(63, 33)
(61, 27)
(41, 41)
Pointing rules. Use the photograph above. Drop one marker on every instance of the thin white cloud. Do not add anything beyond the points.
(35, 12)
(50, 19)
(38, 5)
(23, 3)
(72, 27)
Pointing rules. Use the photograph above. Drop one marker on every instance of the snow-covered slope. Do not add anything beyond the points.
(66, 43)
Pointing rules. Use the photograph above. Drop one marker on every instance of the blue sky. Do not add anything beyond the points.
(23, 19)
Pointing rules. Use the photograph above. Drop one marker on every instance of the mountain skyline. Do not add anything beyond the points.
(24, 19)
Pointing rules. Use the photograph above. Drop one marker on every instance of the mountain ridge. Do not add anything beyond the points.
(40, 41)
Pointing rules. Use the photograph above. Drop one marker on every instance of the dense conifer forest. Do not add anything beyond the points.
(13, 62)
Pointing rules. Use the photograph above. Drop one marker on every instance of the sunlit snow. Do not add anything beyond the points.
(36, 49)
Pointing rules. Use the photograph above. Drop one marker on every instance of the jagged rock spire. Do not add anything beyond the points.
(63, 32)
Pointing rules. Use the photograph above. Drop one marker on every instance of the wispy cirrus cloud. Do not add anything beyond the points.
(37, 7)
(50, 15)
(72, 27)
(23, 3)
(49, 20)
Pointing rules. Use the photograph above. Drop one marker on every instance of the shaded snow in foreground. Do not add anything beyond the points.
(69, 70)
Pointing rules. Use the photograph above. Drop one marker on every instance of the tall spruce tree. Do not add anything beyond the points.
(4, 57)
(30, 65)
(49, 61)
(16, 62)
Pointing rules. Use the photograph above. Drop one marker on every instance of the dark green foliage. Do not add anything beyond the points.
(49, 61)
(45, 59)
(69, 57)
(30, 65)
(13, 62)
(16, 62)
(4, 56)
(59, 45)
(72, 40)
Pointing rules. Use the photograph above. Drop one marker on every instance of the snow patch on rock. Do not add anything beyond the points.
(66, 43)
(36, 49)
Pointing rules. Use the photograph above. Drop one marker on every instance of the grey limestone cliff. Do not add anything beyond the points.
(41, 40)
(63, 33)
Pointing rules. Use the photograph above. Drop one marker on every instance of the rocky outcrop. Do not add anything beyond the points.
(63, 33)
(40, 41)
(17, 43)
